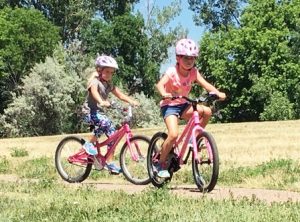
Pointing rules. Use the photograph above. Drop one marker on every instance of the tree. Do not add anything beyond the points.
(26, 37)
(109, 9)
(123, 38)
(216, 14)
(69, 16)
(139, 48)
(256, 62)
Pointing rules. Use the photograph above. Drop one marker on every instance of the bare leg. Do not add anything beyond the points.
(93, 139)
(204, 113)
(172, 126)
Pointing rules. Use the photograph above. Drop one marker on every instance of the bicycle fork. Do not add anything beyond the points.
(195, 147)
(133, 148)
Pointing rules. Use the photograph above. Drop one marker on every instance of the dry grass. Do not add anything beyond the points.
(240, 144)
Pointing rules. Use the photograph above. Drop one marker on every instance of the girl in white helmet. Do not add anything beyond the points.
(99, 86)
(177, 81)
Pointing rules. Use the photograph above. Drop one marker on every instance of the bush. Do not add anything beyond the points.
(45, 105)
(279, 108)
(146, 115)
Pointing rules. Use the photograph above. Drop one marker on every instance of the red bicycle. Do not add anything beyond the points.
(74, 164)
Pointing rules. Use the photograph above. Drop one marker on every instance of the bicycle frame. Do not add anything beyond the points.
(191, 130)
(116, 138)
(81, 157)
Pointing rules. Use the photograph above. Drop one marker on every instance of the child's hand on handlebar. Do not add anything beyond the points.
(222, 96)
(134, 103)
(105, 103)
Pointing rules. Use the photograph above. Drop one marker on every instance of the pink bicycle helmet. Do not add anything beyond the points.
(186, 47)
(106, 61)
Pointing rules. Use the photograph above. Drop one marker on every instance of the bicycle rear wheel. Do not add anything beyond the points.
(71, 161)
(206, 167)
(153, 158)
(134, 161)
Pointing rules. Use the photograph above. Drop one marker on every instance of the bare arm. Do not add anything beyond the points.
(117, 92)
(160, 86)
(209, 87)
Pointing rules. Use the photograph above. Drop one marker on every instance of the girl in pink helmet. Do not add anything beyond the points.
(177, 81)
(99, 87)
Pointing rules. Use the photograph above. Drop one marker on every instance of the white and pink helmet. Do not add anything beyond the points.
(106, 61)
(186, 47)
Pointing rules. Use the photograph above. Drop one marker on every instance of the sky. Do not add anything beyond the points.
(185, 19)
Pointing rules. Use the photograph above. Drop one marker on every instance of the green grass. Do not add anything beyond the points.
(4, 165)
(33, 201)
(276, 174)
(252, 156)
(16, 152)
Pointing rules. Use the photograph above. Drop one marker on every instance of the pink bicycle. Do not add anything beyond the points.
(74, 164)
(205, 159)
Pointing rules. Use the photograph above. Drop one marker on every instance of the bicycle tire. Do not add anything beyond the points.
(206, 171)
(135, 171)
(153, 156)
(76, 171)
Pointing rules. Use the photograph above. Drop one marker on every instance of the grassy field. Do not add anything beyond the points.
(253, 155)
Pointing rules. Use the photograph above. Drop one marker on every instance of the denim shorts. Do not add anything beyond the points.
(176, 110)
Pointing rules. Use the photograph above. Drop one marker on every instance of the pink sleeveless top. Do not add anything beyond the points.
(178, 85)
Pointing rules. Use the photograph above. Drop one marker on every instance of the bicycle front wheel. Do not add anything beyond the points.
(133, 160)
(153, 157)
(206, 167)
(71, 161)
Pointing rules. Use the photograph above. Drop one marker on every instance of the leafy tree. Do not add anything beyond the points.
(161, 37)
(257, 61)
(138, 47)
(216, 14)
(72, 16)
(26, 37)
(124, 39)
(69, 16)
(109, 9)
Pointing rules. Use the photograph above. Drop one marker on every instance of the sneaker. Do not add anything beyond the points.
(90, 148)
(113, 168)
(161, 172)
(98, 164)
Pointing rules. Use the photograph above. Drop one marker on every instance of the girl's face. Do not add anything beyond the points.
(106, 73)
(186, 62)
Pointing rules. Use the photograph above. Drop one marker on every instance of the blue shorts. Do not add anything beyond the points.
(176, 110)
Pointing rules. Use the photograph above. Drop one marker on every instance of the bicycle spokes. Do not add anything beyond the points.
(206, 166)
(72, 162)
(133, 157)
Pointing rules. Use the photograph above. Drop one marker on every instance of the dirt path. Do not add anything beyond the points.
(190, 191)
(218, 193)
